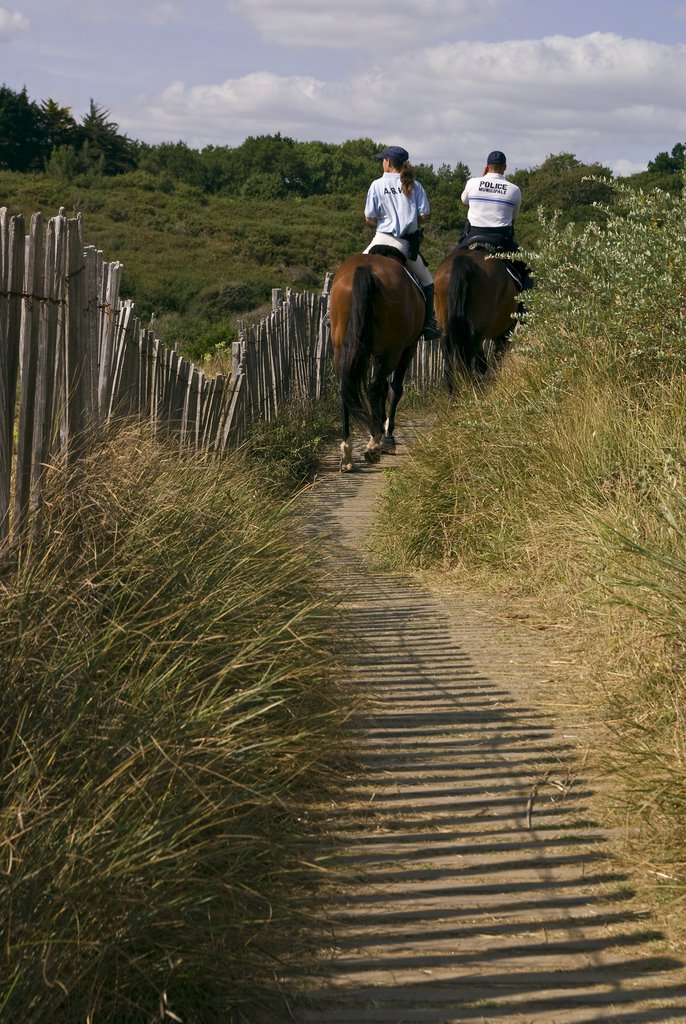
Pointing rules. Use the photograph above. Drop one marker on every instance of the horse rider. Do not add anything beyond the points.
(493, 203)
(397, 206)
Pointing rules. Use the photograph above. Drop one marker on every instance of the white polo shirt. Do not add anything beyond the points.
(396, 212)
(493, 201)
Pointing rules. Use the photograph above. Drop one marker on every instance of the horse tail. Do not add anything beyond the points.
(356, 351)
(460, 337)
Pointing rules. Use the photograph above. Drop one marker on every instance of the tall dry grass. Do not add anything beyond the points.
(565, 483)
(169, 712)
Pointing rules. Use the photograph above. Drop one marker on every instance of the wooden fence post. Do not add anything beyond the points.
(32, 303)
(12, 235)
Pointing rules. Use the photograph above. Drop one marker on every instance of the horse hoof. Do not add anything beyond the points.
(346, 467)
(372, 456)
(388, 445)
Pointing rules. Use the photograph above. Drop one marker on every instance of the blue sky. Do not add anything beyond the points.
(448, 79)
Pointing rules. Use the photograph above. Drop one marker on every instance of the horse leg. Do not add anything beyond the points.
(501, 344)
(396, 393)
(450, 369)
(346, 444)
(378, 389)
(479, 361)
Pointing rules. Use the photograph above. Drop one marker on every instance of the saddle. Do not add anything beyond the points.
(485, 243)
(481, 243)
(388, 250)
(396, 254)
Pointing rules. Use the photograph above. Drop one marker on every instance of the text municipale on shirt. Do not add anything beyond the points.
(493, 201)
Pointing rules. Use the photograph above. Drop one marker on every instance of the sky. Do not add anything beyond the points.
(449, 80)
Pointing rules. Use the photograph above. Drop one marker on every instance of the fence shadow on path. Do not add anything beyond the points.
(474, 883)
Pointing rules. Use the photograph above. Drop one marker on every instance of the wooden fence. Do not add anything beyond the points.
(73, 354)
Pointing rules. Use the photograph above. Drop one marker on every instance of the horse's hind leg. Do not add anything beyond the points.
(396, 393)
(346, 444)
(378, 389)
(501, 344)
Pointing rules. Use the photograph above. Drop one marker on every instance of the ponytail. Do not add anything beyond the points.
(407, 178)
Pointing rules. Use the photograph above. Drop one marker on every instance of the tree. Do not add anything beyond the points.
(101, 147)
(21, 141)
(176, 160)
(264, 185)
(63, 163)
(58, 127)
(669, 163)
(558, 184)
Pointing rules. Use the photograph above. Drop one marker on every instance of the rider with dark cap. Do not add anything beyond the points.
(397, 206)
(493, 204)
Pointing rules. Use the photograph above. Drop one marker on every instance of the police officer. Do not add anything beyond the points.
(493, 204)
(397, 206)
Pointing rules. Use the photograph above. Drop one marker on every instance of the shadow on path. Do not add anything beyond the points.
(474, 884)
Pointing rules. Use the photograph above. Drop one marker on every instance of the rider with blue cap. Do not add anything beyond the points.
(397, 206)
(493, 204)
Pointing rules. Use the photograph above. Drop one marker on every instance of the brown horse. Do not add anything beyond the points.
(476, 298)
(376, 313)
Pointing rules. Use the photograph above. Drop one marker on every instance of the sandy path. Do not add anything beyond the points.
(477, 886)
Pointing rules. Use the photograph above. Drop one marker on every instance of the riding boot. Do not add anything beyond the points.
(430, 329)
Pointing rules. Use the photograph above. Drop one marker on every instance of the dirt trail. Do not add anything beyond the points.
(477, 886)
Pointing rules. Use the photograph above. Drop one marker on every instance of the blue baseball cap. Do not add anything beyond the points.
(396, 154)
(496, 157)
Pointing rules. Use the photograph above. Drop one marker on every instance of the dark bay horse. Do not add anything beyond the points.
(376, 313)
(476, 298)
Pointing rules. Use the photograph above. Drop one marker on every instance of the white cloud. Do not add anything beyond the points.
(363, 25)
(599, 96)
(145, 12)
(621, 168)
(12, 22)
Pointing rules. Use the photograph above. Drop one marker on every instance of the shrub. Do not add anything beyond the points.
(168, 713)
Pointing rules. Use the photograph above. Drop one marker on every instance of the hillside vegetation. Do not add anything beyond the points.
(562, 489)
(204, 235)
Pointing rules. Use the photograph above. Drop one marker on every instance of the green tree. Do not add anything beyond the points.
(353, 166)
(58, 127)
(22, 146)
(264, 185)
(102, 148)
(63, 163)
(559, 184)
(670, 163)
(176, 160)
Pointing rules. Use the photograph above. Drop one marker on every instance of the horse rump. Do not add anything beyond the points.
(352, 358)
(461, 340)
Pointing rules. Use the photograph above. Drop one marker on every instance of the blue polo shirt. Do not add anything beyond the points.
(396, 213)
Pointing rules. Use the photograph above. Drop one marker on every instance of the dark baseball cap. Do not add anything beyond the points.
(496, 157)
(396, 154)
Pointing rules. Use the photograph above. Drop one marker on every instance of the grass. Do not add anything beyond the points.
(170, 712)
(564, 486)
(287, 451)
